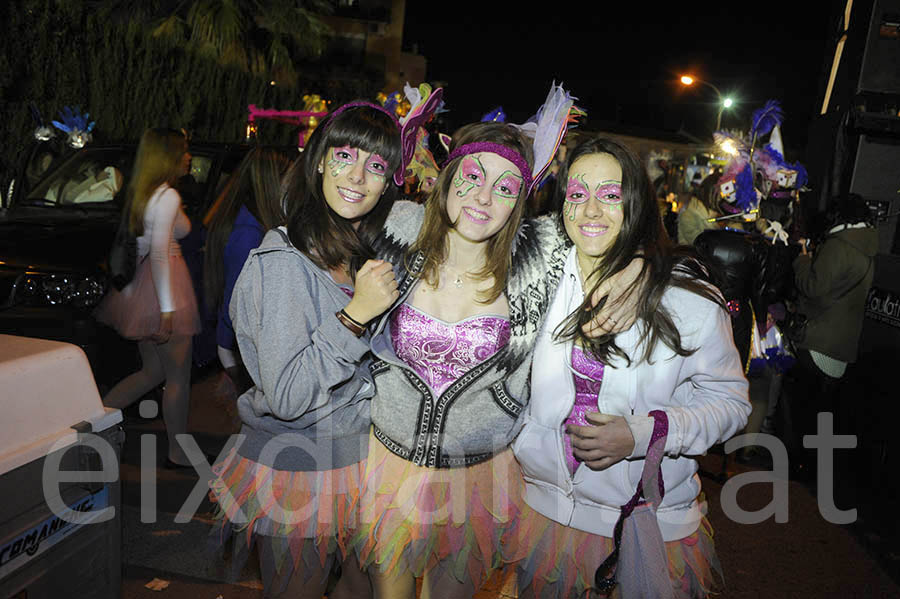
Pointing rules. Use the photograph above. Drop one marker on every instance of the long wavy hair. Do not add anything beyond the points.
(328, 239)
(642, 233)
(432, 240)
(158, 161)
(255, 184)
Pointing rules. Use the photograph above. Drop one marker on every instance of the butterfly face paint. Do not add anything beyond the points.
(341, 158)
(483, 195)
(377, 166)
(593, 220)
(353, 182)
(610, 193)
(507, 188)
(346, 156)
(577, 192)
(469, 175)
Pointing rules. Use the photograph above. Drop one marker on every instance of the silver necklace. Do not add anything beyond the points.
(583, 277)
(458, 282)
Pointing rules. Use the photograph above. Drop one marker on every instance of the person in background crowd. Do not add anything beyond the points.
(158, 307)
(695, 216)
(249, 206)
(832, 284)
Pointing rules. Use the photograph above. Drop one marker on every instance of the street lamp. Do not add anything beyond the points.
(724, 102)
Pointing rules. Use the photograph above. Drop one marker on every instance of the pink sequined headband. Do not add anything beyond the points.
(499, 150)
(361, 103)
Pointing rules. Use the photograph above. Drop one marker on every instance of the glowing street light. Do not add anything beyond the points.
(724, 102)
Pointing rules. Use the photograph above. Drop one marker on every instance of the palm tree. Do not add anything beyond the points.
(264, 37)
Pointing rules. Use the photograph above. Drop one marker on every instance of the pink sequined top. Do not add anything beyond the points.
(586, 390)
(440, 352)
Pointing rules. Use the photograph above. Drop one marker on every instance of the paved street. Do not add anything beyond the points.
(805, 557)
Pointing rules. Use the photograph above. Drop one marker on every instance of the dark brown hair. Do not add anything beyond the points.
(432, 240)
(642, 233)
(327, 238)
(256, 184)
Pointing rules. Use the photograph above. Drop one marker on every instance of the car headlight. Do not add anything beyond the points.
(79, 291)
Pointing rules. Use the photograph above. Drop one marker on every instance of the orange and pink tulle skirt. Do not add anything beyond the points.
(303, 516)
(414, 518)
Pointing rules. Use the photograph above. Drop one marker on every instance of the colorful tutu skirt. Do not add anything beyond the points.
(302, 516)
(134, 311)
(414, 518)
(560, 561)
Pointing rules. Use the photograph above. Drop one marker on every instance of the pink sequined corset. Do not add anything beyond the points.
(441, 352)
(586, 390)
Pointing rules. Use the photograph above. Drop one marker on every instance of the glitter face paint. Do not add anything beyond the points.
(507, 187)
(486, 189)
(346, 156)
(470, 174)
(593, 206)
(610, 193)
(377, 166)
(577, 193)
(341, 158)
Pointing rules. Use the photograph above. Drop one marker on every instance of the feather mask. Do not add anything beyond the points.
(765, 119)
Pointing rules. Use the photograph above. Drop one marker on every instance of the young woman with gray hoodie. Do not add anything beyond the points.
(300, 308)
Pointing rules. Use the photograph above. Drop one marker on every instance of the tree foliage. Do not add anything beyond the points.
(104, 58)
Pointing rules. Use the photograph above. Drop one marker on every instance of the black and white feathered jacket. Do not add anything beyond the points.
(479, 414)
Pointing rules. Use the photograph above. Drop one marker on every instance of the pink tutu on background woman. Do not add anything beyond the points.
(134, 311)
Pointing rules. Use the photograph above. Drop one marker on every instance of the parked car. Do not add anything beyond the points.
(55, 239)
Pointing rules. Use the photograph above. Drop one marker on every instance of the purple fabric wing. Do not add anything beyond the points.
(417, 117)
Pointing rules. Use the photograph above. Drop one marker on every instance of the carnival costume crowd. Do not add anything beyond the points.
(441, 384)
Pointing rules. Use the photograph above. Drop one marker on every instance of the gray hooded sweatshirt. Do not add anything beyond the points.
(309, 408)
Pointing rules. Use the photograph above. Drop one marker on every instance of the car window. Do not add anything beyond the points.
(89, 177)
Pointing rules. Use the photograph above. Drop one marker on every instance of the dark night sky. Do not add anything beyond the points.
(623, 59)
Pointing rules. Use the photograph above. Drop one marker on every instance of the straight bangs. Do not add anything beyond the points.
(370, 131)
(313, 227)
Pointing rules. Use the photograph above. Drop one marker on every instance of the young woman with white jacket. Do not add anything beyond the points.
(587, 427)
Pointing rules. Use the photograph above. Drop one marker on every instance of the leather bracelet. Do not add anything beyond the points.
(354, 327)
(353, 320)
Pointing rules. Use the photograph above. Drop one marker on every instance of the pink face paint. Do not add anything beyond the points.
(577, 190)
(470, 173)
(577, 193)
(341, 158)
(610, 193)
(507, 187)
(377, 165)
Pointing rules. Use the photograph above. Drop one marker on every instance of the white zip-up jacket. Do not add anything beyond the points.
(704, 396)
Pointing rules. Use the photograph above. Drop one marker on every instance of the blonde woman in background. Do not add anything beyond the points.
(157, 308)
